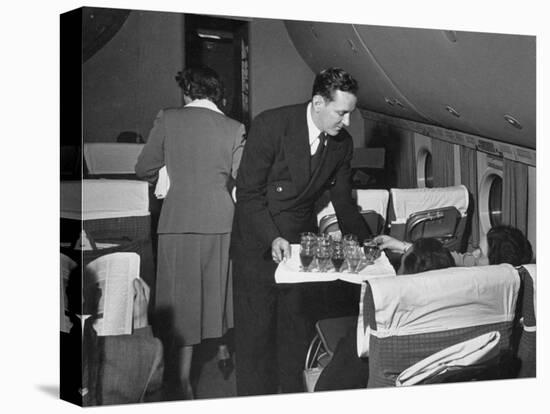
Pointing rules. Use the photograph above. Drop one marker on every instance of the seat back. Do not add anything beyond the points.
(414, 316)
(373, 205)
(527, 346)
(111, 158)
(430, 212)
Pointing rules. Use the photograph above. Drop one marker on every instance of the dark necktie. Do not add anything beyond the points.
(316, 157)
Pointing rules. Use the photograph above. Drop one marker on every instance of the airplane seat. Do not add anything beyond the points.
(430, 212)
(321, 349)
(527, 344)
(111, 159)
(113, 215)
(373, 205)
(462, 315)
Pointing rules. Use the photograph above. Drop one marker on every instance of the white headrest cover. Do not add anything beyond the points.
(445, 299)
(97, 199)
(111, 157)
(376, 200)
(412, 200)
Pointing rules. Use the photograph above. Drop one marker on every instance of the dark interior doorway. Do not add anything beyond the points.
(222, 44)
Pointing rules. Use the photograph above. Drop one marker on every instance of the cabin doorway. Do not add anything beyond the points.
(222, 44)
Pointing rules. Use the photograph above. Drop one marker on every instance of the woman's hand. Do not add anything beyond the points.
(387, 242)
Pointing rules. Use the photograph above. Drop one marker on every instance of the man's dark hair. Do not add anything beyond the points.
(330, 80)
(427, 254)
(507, 244)
(201, 82)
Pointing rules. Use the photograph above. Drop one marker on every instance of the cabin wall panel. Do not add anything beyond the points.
(279, 75)
(131, 78)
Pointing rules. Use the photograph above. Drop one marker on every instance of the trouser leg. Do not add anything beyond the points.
(295, 331)
(254, 304)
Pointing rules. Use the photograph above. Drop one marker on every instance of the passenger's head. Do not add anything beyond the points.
(425, 254)
(506, 244)
(333, 99)
(200, 83)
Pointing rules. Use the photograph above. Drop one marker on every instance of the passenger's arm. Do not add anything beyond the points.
(390, 243)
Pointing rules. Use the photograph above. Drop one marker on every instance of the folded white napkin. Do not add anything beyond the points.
(163, 183)
(462, 354)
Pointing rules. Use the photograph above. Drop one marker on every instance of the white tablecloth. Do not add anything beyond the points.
(289, 271)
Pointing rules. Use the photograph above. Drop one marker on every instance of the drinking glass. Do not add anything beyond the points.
(353, 256)
(307, 254)
(323, 256)
(371, 250)
(349, 240)
(308, 239)
(337, 256)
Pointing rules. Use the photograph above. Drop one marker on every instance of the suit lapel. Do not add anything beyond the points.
(296, 147)
(331, 156)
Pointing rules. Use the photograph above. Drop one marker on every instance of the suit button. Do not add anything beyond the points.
(279, 189)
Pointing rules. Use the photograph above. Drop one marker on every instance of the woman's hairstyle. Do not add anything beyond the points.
(201, 82)
(507, 244)
(330, 80)
(426, 254)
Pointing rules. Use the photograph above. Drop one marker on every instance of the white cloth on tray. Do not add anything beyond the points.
(289, 271)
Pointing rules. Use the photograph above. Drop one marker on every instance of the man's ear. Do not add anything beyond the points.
(318, 102)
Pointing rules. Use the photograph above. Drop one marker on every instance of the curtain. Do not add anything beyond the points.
(468, 177)
(443, 162)
(515, 194)
(405, 162)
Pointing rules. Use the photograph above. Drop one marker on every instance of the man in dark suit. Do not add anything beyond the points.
(292, 155)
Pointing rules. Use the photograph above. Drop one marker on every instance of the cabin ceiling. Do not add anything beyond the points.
(465, 81)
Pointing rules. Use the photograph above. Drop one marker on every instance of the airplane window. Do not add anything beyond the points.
(495, 201)
(424, 169)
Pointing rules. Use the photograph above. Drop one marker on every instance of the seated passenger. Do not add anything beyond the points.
(505, 244)
(346, 370)
(100, 370)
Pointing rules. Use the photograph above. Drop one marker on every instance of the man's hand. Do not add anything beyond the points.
(141, 295)
(280, 250)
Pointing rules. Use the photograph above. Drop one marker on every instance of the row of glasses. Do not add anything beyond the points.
(322, 250)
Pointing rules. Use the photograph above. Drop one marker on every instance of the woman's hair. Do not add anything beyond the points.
(201, 82)
(330, 80)
(426, 254)
(506, 244)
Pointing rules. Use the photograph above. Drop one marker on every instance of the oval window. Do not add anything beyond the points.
(495, 201)
(424, 169)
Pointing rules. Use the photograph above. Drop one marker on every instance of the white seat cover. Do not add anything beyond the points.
(407, 201)
(103, 198)
(376, 200)
(444, 299)
(111, 157)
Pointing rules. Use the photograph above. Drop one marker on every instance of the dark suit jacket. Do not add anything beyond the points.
(275, 190)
